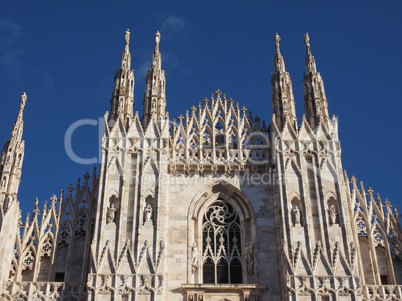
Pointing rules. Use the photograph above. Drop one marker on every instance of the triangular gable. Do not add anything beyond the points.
(126, 265)
(152, 130)
(107, 265)
(135, 130)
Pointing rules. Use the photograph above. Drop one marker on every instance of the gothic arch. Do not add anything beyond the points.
(224, 192)
(112, 193)
(225, 188)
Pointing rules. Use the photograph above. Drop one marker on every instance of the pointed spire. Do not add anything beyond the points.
(16, 132)
(283, 103)
(12, 156)
(125, 62)
(310, 62)
(122, 101)
(156, 56)
(315, 101)
(279, 62)
(155, 84)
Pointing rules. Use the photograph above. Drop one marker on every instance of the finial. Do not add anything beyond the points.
(307, 40)
(218, 93)
(127, 37)
(53, 199)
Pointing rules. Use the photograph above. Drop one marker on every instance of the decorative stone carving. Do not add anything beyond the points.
(249, 257)
(110, 215)
(148, 214)
(285, 105)
(296, 216)
(194, 258)
(332, 215)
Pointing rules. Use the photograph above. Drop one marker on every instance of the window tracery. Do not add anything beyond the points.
(29, 260)
(222, 260)
(81, 224)
(47, 247)
(65, 232)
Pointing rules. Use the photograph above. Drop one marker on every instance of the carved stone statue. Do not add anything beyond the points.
(332, 215)
(306, 39)
(318, 108)
(148, 213)
(285, 105)
(110, 214)
(127, 37)
(194, 258)
(248, 256)
(296, 215)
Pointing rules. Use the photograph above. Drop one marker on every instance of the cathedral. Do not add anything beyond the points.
(214, 205)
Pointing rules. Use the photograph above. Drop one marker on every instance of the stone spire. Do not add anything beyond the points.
(155, 83)
(122, 101)
(11, 159)
(315, 101)
(283, 103)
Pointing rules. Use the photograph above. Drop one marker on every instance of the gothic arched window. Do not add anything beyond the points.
(221, 239)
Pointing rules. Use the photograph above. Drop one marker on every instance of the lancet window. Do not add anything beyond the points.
(222, 262)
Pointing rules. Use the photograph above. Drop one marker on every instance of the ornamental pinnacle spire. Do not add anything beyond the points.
(154, 102)
(122, 101)
(283, 103)
(310, 62)
(279, 62)
(315, 101)
(156, 56)
(11, 159)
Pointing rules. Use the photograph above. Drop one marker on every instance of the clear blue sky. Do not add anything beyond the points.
(64, 55)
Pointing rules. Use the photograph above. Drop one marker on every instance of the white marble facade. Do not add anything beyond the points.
(212, 206)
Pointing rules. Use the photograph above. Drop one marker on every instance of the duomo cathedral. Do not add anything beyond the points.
(266, 213)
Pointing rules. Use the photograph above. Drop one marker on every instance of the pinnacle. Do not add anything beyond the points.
(310, 62)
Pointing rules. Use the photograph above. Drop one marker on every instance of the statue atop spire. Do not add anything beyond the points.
(306, 39)
(157, 39)
(127, 38)
(277, 39)
(22, 105)
(156, 56)
(23, 101)
(279, 62)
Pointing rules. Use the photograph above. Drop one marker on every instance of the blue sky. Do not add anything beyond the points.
(64, 55)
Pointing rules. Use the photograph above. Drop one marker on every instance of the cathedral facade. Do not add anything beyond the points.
(214, 205)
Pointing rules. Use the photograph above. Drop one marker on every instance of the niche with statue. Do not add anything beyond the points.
(296, 213)
(333, 211)
(112, 210)
(148, 214)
